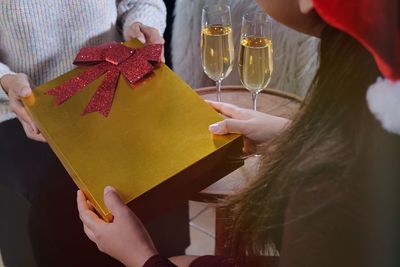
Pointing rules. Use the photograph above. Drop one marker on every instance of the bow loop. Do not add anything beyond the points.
(112, 59)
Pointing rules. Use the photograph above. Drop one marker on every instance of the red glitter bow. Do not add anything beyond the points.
(112, 59)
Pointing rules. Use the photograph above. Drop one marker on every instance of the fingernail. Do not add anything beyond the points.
(108, 189)
(26, 92)
(214, 128)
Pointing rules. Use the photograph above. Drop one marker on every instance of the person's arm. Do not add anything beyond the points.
(196, 261)
(134, 13)
(13, 87)
(296, 59)
(127, 240)
(306, 63)
(5, 114)
(159, 261)
(4, 70)
(256, 127)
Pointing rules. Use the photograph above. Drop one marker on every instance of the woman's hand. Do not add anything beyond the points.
(125, 238)
(17, 86)
(145, 34)
(256, 127)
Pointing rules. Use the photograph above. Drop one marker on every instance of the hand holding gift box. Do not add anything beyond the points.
(154, 146)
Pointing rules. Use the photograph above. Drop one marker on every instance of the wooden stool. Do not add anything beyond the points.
(271, 101)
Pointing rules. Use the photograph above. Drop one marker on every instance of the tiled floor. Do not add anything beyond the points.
(202, 230)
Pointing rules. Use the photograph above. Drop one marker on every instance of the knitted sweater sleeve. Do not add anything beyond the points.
(149, 12)
(4, 113)
(4, 69)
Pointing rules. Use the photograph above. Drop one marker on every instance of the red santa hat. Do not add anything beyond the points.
(376, 25)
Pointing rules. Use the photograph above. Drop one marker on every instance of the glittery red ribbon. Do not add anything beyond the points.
(112, 59)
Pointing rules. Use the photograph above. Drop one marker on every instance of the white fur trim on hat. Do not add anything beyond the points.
(383, 99)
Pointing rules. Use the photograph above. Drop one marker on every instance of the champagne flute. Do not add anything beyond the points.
(255, 54)
(217, 51)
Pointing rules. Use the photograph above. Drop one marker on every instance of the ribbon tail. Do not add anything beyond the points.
(102, 100)
(69, 88)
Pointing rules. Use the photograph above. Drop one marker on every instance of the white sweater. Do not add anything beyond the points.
(41, 37)
(296, 58)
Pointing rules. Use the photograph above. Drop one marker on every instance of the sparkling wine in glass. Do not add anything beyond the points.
(217, 50)
(255, 54)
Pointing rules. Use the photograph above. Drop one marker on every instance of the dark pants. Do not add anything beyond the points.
(32, 170)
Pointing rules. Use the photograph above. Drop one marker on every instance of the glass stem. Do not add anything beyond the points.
(218, 83)
(254, 97)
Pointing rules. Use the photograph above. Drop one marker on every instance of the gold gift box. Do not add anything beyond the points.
(154, 147)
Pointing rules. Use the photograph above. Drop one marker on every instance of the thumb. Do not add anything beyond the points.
(25, 92)
(152, 35)
(133, 31)
(23, 88)
(113, 201)
(228, 126)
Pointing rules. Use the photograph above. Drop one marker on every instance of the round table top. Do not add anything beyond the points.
(271, 101)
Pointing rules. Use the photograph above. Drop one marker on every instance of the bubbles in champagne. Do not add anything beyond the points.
(217, 51)
(255, 62)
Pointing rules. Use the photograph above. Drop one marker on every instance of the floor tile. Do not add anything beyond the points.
(195, 208)
(205, 221)
(201, 243)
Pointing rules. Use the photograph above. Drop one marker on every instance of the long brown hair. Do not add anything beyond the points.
(325, 143)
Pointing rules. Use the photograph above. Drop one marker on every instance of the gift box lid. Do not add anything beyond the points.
(155, 129)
